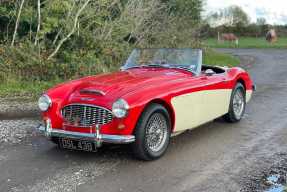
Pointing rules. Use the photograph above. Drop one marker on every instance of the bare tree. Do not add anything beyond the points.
(71, 32)
(147, 18)
(17, 22)
(39, 21)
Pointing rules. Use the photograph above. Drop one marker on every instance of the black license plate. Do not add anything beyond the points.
(74, 144)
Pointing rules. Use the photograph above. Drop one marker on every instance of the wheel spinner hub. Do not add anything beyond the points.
(156, 132)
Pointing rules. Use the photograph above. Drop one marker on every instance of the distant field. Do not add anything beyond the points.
(247, 42)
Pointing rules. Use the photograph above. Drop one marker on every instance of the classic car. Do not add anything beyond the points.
(156, 94)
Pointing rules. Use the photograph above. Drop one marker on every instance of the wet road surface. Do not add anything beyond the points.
(215, 157)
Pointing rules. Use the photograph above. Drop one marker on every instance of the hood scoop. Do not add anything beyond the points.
(92, 92)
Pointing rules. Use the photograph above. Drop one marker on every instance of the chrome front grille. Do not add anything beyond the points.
(86, 115)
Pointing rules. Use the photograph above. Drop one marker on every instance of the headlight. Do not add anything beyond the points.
(44, 102)
(120, 108)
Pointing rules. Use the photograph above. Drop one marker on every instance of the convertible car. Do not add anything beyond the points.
(156, 94)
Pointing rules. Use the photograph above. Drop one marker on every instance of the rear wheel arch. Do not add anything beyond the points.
(240, 80)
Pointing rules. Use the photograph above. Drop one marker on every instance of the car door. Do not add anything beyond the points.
(208, 101)
(216, 98)
(190, 107)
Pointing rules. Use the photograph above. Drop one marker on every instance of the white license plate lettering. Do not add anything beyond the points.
(66, 143)
(77, 145)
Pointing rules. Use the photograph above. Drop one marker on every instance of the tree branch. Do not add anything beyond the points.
(71, 32)
(17, 22)
(39, 22)
(56, 37)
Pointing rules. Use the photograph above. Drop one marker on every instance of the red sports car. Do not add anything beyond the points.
(156, 94)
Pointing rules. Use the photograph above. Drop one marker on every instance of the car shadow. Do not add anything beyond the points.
(123, 152)
(105, 152)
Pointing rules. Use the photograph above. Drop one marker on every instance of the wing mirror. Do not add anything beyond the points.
(209, 72)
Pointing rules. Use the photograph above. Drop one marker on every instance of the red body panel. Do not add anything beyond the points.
(138, 87)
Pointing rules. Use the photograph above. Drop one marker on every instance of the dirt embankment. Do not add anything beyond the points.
(18, 108)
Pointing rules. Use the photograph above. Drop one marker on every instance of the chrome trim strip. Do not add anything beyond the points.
(98, 138)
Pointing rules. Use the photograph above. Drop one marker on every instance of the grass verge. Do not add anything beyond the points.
(248, 42)
(212, 57)
(23, 89)
(32, 90)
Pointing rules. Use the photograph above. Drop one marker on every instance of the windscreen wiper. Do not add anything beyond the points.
(164, 66)
(154, 65)
(172, 67)
(183, 68)
(149, 65)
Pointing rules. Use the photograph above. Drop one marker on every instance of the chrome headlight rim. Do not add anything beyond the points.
(120, 108)
(44, 100)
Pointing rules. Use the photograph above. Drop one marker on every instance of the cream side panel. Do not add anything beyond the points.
(197, 108)
(248, 95)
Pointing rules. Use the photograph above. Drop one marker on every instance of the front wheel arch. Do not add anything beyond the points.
(166, 105)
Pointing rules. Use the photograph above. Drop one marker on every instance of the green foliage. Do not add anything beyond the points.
(183, 8)
(104, 34)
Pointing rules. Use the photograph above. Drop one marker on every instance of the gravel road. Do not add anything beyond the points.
(215, 157)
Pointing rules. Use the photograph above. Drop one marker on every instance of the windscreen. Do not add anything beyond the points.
(189, 59)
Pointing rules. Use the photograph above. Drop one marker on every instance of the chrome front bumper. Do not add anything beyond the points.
(97, 138)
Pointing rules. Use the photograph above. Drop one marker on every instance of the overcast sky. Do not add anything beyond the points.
(274, 11)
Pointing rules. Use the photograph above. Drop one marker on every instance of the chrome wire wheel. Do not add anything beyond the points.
(238, 103)
(156, 132)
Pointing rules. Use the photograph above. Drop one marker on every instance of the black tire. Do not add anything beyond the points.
(232, 116)
(55, 140)
(140, 147)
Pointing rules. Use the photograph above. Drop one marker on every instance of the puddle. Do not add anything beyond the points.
(276, 189)
(270, 178)
(275, 185)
